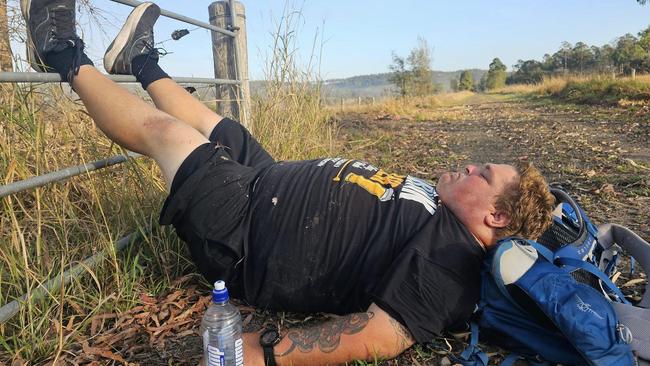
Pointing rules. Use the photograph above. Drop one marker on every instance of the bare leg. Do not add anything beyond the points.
(134, 124)
(175, 100)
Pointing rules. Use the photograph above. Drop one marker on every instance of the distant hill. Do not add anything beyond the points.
(376, 85)
(373, 85)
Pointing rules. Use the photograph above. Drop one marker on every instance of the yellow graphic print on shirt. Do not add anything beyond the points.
(380, 185)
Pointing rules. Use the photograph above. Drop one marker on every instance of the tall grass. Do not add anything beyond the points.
(588, 89)
(45, 231)
(289, 118)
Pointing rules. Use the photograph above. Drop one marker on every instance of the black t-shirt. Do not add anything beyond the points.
(335, 235)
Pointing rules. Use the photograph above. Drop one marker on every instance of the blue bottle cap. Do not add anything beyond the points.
(220, 292)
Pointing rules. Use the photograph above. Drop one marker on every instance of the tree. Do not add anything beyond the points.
(482, 84)
(413, 76)
(527, 72)
(603, 58)
(549, 63)
(420, 62)
(565, 54)
(644, 43)
(453, 84)
(628, 54)
(466, 81)
(400, 76)
(582, 57)
(496, 76)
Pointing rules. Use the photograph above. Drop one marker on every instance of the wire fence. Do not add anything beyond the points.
(10, 309)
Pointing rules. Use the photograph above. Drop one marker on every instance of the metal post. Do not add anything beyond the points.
(231, 59)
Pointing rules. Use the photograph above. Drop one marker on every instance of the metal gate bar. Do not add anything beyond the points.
(180, 17)
(39, 292)
(50, 77)
(63, 174)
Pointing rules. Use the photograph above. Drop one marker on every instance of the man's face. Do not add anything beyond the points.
(474, 190)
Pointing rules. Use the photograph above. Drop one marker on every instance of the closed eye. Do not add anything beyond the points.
(486, 173)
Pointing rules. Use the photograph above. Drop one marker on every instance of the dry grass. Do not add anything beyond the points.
(45, 231)
(548, 86)
(289, 118)
(419, 109)
(587, 89)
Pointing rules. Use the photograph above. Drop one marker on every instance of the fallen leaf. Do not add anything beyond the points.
(633, 282)
(105, 353)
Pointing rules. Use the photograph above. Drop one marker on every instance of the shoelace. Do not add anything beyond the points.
(152, 53)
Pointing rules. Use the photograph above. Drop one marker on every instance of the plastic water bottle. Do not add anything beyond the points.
(221, 329)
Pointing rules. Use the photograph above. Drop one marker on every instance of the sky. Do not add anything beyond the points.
(357, 37)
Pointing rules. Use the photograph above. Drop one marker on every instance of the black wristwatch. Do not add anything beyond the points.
(268, 339)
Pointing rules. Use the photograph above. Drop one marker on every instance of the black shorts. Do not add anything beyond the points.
(208, 203)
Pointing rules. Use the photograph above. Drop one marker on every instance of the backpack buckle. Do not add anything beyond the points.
(624, 333)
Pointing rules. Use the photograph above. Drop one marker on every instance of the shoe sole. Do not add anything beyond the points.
(123, 37)
(33, 59)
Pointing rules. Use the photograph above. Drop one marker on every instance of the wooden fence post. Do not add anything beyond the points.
(6, 57)
(236, 99)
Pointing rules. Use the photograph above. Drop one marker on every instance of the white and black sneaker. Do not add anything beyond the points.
(50, 28)
(134, 39)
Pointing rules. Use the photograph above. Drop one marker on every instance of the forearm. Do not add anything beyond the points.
(372, 335)
(334, 342)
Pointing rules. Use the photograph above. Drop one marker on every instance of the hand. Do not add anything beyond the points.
(253, 352)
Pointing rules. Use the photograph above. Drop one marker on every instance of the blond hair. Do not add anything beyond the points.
(528, 203)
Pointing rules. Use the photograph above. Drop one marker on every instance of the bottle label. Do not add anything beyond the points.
(216, 357)
(239, 352)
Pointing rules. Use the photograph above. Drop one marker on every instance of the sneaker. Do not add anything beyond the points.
(50, 28)
(134, 39)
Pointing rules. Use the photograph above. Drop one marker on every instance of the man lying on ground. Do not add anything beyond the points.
(400, 257)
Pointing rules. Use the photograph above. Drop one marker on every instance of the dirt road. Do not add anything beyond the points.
(600, 154)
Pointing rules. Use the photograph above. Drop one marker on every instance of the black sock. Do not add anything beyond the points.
(146, 70)
(62, 61)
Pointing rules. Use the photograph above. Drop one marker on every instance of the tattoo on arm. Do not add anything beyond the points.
(326, 336)
(405, 339)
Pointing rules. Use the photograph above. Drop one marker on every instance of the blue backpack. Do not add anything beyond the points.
(549, 301)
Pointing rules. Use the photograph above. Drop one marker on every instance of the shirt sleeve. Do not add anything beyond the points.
(426, 296)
